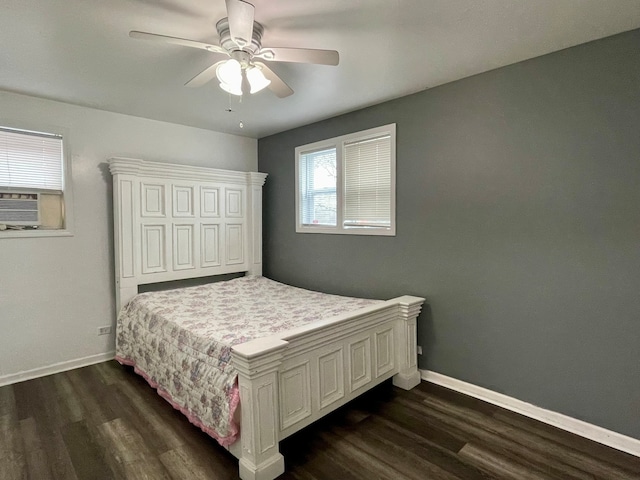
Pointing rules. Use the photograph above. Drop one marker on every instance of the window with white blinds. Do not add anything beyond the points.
(346, 184)
(30, 160)
(35, 183)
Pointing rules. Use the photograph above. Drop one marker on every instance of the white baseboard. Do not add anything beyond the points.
(55, 368)
(564, 422)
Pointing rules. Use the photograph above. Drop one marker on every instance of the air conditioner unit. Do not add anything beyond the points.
(20, 208)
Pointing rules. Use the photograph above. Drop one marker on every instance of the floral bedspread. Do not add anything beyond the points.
(180, 340)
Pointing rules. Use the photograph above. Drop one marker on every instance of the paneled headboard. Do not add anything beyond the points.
(173, 222)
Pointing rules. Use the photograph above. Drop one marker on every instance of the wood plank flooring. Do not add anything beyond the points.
(105, 422)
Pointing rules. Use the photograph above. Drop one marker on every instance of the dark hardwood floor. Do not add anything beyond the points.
(105, 422)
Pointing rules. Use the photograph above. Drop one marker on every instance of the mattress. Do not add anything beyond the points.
(180, 340)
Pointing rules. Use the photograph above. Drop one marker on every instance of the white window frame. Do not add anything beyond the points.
(67, 191)
(338, 143)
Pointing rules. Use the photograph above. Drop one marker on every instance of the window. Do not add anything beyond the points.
(32, 177)
(346, 185)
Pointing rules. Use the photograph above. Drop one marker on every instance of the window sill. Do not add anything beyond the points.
(349, 231)
(34, 233)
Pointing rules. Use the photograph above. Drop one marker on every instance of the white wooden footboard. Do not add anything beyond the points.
(288, 381)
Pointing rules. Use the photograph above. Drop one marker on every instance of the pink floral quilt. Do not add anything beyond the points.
(180, 340)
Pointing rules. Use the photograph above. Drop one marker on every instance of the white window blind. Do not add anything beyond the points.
(31, 160)
(367, 183)
(318, 179)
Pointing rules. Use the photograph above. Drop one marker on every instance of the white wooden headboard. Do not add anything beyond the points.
(173, 222)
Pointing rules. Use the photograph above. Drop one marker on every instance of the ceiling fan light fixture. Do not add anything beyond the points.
(256, 79)
(232, 89)
(229, 72)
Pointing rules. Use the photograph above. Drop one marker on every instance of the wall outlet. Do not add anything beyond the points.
(419, 350)
(104, 330)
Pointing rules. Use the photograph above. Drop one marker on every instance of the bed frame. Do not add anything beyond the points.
(175, 222)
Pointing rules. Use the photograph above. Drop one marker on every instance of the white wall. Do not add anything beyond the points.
(56, 291)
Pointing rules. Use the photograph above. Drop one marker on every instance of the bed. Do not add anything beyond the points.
(279, 357)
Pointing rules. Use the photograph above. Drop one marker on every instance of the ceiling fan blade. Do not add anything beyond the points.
(277, 85)
(241, 15)
(300, 55)
(204, 76)
(177, 41)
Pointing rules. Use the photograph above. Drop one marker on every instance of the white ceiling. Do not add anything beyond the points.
(79, 51)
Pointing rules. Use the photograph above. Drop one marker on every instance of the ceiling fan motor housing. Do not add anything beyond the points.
(229, 45)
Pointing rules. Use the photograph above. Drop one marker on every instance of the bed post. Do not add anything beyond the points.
(125, 198)
(260, 457)
(256, 181)
(408, 375)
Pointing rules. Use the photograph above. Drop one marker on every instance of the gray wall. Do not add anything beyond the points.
(518, 217)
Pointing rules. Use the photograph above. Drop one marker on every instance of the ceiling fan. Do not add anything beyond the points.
(241, 41)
